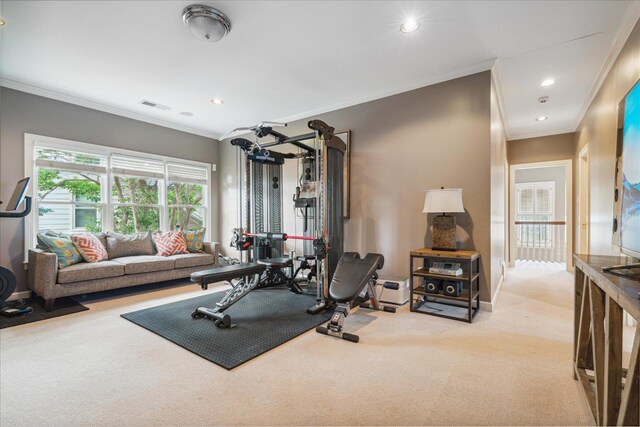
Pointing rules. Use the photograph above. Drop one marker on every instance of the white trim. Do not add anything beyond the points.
(19, 295)
(491, 306)
(94, 105)
(557, 131)
(568, 165)
(394, 90)
(629, 20)
(86, 147)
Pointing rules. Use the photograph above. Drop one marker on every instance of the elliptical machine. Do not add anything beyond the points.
(7, 278)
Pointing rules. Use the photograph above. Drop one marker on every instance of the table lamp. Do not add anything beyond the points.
(444, 200)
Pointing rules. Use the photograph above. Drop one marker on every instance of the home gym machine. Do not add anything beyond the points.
(318, 196)
(7, 278)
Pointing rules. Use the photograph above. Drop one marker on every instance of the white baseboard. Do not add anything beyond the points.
(19, 295)
(490, 306)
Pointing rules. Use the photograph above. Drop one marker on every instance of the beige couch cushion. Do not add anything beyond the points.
(90, 271)
(125, 245)
(191, 260)
(145, 263)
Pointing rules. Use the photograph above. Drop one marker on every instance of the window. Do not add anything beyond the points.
(86, 216)
(535, 202)
(185, 196)
(83, 187)
(69, 189)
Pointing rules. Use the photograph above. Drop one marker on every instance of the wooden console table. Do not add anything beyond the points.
(600, 298)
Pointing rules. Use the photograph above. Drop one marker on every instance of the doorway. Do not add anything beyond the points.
(541, 210)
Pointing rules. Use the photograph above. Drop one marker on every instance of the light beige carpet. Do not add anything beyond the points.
(510, 367)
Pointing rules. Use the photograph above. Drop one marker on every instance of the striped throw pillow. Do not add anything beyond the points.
(90, 247)
(170, 243)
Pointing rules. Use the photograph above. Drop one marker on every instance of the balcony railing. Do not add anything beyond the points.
(541, 241)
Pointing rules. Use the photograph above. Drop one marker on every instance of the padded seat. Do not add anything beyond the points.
(90, 271)
(276, 262)
(145, 263)
(191, 260)
(226, 273)
(352, 275)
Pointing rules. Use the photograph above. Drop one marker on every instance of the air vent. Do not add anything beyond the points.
(155, 105)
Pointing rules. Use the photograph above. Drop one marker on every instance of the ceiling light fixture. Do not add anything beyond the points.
(548, 82)
(217, 101)
(541, 118)
(1, 22)
(205, 22)
(409, 25)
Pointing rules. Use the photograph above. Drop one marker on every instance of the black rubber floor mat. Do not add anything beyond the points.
(61, 307)
(263, 320)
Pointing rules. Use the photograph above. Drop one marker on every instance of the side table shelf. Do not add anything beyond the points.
(462, 307)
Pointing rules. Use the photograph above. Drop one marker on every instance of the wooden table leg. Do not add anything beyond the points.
(583, 348)
(630, 406)
(612, 362)
(597, 340)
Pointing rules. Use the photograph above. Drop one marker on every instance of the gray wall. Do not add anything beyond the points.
(22, 113)
(598, 129)
(541, 149)
(402, 145)
(552, 173)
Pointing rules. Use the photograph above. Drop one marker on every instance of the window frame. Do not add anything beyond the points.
(31, 141)
(534, 186)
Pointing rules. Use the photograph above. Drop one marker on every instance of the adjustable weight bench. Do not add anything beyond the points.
(249, 278)
(353, 274)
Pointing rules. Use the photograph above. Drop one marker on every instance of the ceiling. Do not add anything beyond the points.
(289, 60)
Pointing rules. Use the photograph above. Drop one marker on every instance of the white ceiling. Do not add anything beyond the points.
(289, 60)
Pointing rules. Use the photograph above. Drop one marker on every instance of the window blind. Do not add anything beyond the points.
(136, 166)
(187, 173)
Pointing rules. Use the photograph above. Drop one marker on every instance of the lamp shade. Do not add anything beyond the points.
(443, 200)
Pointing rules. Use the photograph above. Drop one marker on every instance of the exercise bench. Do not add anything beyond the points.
(249, 276)
(353, 274)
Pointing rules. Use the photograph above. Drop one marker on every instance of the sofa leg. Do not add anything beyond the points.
(48, 304)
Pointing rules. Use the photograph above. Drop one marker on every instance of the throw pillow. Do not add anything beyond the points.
(170, 243)
(49, 233)
(90, 247)
(120, 245)
(194, 239)
(62, 247)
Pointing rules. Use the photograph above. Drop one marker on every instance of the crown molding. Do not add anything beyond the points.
(393, 90)
(537, 134)
(35, 90)
(629, 20)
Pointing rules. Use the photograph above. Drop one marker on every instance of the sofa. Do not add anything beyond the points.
(49, 281)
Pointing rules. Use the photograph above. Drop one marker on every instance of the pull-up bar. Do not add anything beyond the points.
(277, 236)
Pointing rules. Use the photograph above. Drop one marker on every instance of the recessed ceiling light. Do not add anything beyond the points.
(186, 113)
(541, 118)
(548, 82)
(217, 101)
(409, 25)
(1, 22)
